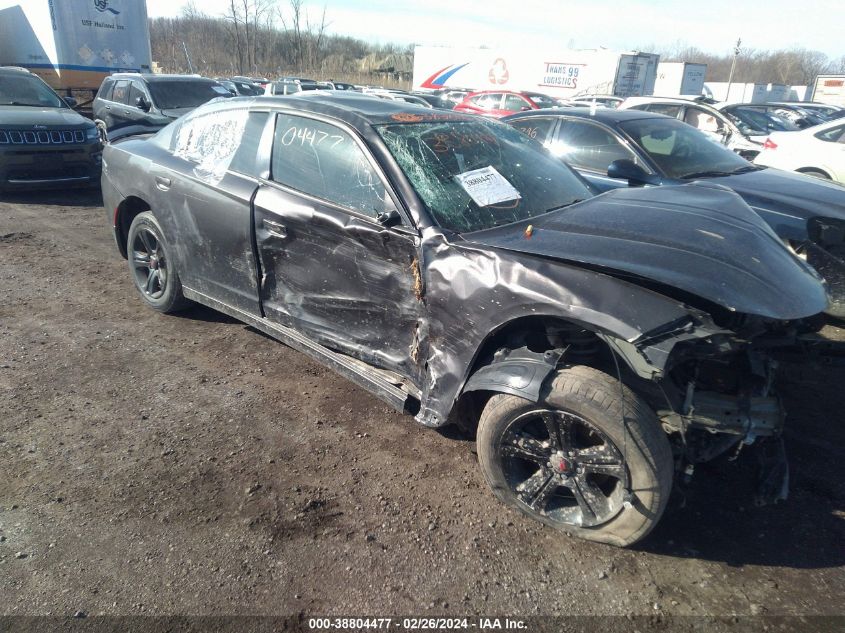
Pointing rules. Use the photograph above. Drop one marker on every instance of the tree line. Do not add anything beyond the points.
(267, 38)
(277, 37)
(794, 66)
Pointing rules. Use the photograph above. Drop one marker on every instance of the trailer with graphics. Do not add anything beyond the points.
(558, 73)
(830, 89)
(74, 44)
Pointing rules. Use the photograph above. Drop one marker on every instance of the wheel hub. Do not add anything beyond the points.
(559, 464)
(154, 264)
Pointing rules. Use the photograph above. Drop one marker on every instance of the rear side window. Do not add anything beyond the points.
(662, 108)
(210, 140)
(833, 135)
(106, 89)
(120, 93)
(535, 127)
(589, 146)
(324, 161)
(244, 160)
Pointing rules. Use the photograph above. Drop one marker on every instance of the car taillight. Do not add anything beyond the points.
(770, 144)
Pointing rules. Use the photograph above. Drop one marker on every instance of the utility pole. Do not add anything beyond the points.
(733, 68)
(191, 66)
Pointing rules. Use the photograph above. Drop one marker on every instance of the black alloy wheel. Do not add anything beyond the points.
(562, 467)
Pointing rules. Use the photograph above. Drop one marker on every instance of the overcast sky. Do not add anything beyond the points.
(712, 25)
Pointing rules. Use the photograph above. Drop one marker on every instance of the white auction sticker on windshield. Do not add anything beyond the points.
(486, 186)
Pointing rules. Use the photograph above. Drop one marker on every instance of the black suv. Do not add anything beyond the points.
(43, 141)
(132, 103)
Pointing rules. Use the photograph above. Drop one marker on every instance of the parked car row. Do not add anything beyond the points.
(636, 148)
(644, 275)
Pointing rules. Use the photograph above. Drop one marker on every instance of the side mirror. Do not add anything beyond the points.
(624, 169)
(389, 218)
(143, 104)
(71, 101)
(525, 108)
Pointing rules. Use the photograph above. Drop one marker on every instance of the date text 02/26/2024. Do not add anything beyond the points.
(415, 624)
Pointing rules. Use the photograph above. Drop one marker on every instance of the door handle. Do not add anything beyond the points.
(163, 183)
(108, 107)
(275, 228)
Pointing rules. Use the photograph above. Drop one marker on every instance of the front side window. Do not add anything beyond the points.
(477, 174)
(135, 91)
(704, 121)
(541, 100)
(589, 146)
(27, 90)
(515, 103)
(681, 151)
(487, 101)
(324, 161)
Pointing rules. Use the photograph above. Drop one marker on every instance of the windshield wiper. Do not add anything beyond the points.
(21, 103)
(746, 168)
(563, 206)
(706, 174)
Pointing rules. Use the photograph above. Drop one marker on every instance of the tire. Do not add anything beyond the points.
(588, 404)
(152, 267)
(815, 173)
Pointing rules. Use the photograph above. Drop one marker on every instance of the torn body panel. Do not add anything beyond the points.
(472, 293)
(342, 280)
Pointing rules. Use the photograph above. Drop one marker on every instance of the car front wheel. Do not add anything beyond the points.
(571, 462)
(152, 266)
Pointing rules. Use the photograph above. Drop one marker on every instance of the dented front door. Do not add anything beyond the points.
(330, 269)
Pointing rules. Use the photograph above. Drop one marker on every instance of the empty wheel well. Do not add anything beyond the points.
(538, 334)
(804, 170)
(123, 216)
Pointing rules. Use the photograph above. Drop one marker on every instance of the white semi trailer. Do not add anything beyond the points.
(679, 78)
(558, 73)
(74, 44)
(830, 89)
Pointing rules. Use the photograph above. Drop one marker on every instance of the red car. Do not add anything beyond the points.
(499, 103)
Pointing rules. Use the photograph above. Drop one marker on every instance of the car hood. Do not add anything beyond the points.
(698, 238)
(788, 192)
(25, 117)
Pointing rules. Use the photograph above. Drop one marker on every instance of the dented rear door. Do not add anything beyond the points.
(330, 269)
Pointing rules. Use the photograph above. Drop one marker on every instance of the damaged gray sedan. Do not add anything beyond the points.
(598, 345)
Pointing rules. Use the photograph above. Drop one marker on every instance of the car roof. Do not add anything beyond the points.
(357, 109)
(609, 116)
(14, 70)
(498, 92)
(149, 77)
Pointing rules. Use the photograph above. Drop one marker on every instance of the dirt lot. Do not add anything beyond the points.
(190, 465)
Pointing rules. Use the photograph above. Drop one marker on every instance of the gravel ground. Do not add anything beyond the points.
(190, 465)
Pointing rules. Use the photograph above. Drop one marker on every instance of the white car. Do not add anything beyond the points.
(816, 151)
